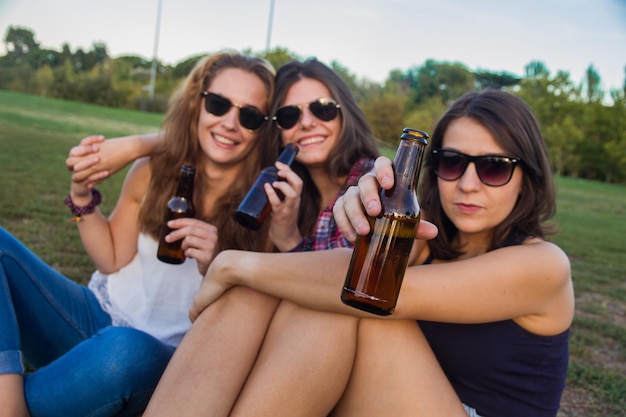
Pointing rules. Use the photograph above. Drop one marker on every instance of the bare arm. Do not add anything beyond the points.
(112, 243)
(311, 279)
(95, 159)
(529, 283)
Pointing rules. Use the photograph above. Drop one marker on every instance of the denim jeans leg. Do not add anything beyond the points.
(113, 373)
(42, 313)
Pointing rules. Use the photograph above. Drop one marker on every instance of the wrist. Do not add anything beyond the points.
(80, 199)
(285, 241)
(78, 209)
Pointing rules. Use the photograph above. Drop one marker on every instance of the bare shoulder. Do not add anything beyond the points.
(137, 179)
(546, 254)
(550, 272)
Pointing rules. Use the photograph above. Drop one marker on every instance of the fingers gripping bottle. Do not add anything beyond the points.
(255, 206)
(179, 206)
(380, 258)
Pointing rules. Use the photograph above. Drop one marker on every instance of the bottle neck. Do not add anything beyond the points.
(288, 154)
(408, 161)
(185, 183)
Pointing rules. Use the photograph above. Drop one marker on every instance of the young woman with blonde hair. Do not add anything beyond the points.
(100, 350)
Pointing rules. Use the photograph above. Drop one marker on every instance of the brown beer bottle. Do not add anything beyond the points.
(255, 206)
(179, 206)
(380, 258)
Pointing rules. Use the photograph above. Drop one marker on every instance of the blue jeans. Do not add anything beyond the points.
(83, 365)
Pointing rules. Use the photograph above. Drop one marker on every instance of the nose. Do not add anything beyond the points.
(470, 181)
(307, 119)
(229, 120)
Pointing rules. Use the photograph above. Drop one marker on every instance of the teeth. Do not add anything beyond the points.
(225, 141)
(309, 141)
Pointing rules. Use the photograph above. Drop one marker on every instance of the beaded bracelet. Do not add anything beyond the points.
(78, 212)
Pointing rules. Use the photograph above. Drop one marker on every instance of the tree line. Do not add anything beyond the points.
(586, 137)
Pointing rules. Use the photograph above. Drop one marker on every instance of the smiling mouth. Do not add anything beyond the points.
(312, 140)
(223, 140)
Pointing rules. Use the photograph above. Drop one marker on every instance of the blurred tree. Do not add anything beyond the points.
(66, 53)
(276, 56)
(19, 42)
(425, 116)
(43, 80)
(536, 69)
(349, 78)
(183, 68)
(561, 141)
(385, 114)
(445, 80)
(498, 80)
(592, 84)
(99, 53)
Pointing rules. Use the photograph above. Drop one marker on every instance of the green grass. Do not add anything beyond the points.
(36, 134)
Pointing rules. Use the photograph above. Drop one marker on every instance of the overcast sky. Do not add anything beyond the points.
(369, 37)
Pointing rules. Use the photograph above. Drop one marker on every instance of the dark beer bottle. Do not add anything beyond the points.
(380, 258)
(255, 206)
(179, 206)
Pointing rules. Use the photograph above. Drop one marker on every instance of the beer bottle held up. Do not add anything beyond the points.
(179, 206)
(380, 258)
(255, 206)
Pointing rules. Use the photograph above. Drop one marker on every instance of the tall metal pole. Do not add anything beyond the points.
(155, 50)
(269, 26)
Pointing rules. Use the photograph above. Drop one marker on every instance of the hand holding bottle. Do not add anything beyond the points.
(178, 207)
(283, 230)
(364, 199)
(380, 257)
(198, 240)
(255, 206)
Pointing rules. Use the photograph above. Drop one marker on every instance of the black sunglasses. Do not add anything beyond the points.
(325, 109)
(492, 170)
(249, 117)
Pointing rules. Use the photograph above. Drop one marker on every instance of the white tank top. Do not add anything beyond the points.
(148, 294)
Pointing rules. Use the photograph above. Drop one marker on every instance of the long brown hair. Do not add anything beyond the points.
(180, 146)
(356, 139)
(515, 129)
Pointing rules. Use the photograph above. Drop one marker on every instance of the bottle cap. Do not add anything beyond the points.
(414, 134)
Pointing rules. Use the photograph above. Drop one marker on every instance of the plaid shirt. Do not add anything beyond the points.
(327, 234)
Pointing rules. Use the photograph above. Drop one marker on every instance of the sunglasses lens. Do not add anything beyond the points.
(494, 171)
(251, 118)
(217, 105)
(324, 109)
(287, 116)
(450, 165)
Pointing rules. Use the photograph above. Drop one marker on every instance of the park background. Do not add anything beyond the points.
(52, 97)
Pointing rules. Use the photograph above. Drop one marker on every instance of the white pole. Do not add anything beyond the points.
(269, 26)
(156, 49)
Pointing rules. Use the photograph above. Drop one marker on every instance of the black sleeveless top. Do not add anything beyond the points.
(499, 368)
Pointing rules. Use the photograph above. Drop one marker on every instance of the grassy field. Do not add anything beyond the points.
(36, 134)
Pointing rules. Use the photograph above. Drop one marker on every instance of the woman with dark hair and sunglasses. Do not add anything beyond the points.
(100, 350)
(482, 323)
(314, 108)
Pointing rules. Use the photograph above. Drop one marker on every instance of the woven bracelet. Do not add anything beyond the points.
(78, 212)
